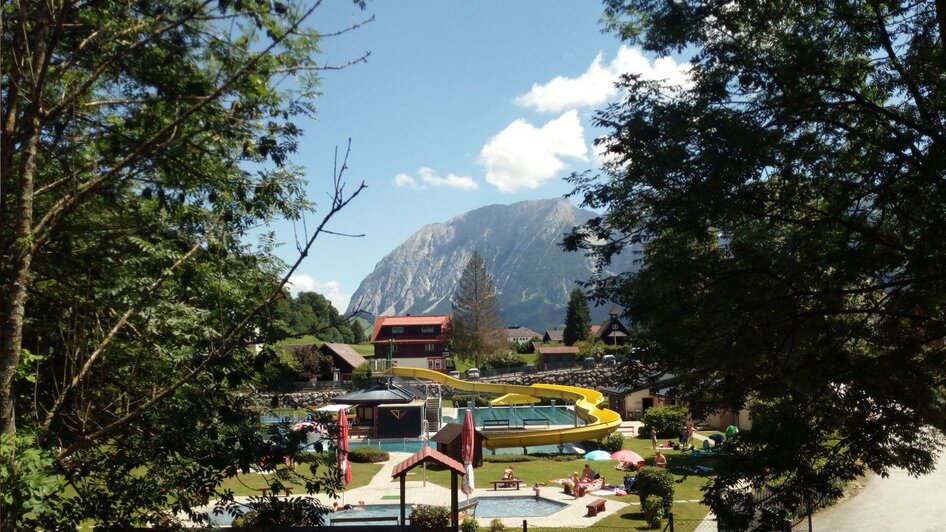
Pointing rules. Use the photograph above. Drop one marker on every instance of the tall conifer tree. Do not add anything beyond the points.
(478, 323)
(577, 318)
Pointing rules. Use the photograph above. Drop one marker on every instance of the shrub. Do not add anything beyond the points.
(668, 420)
(614, 442)
(272, 511)
(469, 525)
(460, 401)
(367, 455)
(426, 516)
(361, 376)
(508, 458)
(656, 481)
(496, 525)
(502, 360)
(653, 510)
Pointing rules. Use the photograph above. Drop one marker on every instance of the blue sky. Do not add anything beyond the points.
(460, 105)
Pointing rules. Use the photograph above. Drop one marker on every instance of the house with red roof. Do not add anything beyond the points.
(413, 341)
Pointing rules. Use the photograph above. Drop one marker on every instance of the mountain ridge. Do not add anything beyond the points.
(519, 242)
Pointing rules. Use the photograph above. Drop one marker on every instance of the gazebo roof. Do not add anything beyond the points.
(376, 394)
(427, 454)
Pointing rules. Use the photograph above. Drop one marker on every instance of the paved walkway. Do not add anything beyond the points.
(898, 502)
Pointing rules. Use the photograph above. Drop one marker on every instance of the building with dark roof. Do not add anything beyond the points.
(413, 341)
(450, 442)
(612, 331)
(557, 355)
(553, 335)
(344, 358)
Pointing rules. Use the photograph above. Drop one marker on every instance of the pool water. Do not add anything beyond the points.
(556, 415)
(488, 508)
(398, 446)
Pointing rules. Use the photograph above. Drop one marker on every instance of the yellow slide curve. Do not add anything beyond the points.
(600, 421)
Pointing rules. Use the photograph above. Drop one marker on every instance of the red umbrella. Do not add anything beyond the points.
(467, 439)
(625, 455)
(344, 467)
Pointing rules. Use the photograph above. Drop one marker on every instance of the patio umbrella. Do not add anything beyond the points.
(598, 455)
(625, 455)
(467, 441)
(344, 467)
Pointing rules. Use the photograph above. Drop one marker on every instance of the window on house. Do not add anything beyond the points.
(614, 326)
(397, 330)
(429, 348)
(427, 329)
(438, 364)
(430, 363)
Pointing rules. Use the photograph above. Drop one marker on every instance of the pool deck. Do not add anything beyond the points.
(571, 516)
(381, 485)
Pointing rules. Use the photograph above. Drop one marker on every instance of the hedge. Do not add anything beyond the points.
(367, 455)
(668, 420)
(656, 481)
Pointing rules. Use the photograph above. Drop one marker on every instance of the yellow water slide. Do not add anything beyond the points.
(600, 421)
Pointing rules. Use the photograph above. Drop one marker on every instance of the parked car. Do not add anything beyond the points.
(455, 374)
(473, 373)
(609, 360)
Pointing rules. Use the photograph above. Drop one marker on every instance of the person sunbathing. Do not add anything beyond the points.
(587, 474)
(660, 460)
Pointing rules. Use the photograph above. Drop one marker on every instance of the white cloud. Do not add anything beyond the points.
(405, 181)
(524, 156)
(429, 178)
(330, 289)
(596, 85)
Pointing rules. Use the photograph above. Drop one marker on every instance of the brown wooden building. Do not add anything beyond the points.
(416, 341)
(450, 442)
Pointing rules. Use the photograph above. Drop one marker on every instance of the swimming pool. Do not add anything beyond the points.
(395, 445)
(555, 415)
(487, 508)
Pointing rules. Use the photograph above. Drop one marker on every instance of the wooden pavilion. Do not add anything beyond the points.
(430, 455)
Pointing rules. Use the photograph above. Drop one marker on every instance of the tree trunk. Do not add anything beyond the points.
(14, 305)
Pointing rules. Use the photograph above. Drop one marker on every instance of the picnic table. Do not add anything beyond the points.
(507, 483)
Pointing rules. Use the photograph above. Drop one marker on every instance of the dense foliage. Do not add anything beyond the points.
(139, 145)
(656, 481)
(787, 206)
(367, 454)
(478, 324)
(653, 508)
(427, 516)
(501, 360)
(310, 313)
(577, 318)
(613, 442)
(668, 420)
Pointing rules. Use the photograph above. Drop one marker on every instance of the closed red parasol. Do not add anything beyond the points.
(344, 467)
(467, 439)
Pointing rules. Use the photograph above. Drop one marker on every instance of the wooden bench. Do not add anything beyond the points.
(495, 423)
(595, 507)
(541, 421)
(505, 483)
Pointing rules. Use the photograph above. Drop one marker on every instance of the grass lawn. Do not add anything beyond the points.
(251, 483)
(688, 485)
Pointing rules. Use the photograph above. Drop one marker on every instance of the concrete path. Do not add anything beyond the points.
(898, 502)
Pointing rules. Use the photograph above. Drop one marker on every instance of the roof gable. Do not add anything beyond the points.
(427, 454)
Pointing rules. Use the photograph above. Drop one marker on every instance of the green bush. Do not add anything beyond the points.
(361, 376)
(508, 458)
(469, 525)
(653, 510)
(367, 455)
(426, 516)
(668, 420)
(496, 525)
(656, 481)
(502, 360)
(272, 512)
(460, 401)
(614, 442)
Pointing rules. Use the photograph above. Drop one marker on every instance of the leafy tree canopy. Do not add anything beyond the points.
(787, 205)
(140, 142)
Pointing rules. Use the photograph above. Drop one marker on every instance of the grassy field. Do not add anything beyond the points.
(250, 484)
(688, 485)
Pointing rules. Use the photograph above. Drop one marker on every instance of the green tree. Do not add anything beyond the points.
(139, 144)
(788, 206)
(357, 331)
(478, 324)
(577, 318)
